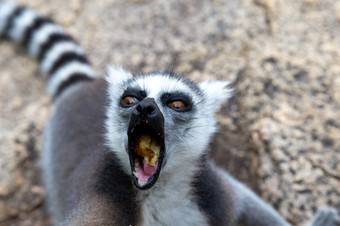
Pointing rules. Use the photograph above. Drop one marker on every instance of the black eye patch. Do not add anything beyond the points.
(135, 93)
(177, 101)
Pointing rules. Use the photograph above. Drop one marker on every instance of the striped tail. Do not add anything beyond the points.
(61, 59)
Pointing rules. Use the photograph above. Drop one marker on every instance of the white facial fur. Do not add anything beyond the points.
(187, 134)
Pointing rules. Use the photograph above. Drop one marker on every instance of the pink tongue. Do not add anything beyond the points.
(149, 170)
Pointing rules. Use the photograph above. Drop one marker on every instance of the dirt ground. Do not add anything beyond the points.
(280, 133)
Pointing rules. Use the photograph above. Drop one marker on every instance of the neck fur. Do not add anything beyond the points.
(170, 200)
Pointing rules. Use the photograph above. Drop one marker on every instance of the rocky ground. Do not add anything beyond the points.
(280, 133)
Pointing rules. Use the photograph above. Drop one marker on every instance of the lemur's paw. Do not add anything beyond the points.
(326, 217)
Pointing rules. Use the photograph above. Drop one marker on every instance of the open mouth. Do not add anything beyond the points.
(146, 151)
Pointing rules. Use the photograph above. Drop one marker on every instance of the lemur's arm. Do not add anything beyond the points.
(252, 210)
(325, 217)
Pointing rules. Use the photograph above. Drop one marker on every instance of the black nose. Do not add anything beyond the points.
(147, 108)
(146, 117)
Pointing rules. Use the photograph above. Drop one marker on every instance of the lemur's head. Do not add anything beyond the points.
(160, 121)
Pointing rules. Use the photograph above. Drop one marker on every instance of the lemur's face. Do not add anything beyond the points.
(160, 122)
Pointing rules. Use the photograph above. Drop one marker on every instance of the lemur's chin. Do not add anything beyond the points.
(146, 150)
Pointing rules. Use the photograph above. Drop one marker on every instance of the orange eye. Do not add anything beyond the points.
(177, 105)
(129, 100)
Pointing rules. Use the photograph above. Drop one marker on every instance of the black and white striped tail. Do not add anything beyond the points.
(61, 59)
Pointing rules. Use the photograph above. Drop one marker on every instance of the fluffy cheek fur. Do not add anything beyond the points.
(187, 142)
(116, 121)
(116, 136)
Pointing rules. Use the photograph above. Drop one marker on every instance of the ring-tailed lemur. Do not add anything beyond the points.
(131, 150)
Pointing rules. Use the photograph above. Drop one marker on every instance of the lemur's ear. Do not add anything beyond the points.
(116, 78)
(216, 93)
(117, 75)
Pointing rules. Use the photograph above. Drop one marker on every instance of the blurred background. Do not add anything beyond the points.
(279, 134)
